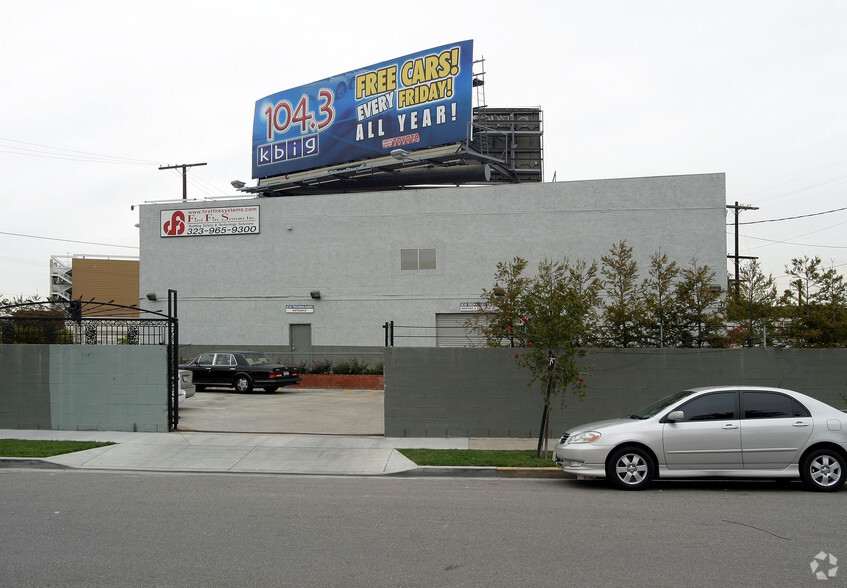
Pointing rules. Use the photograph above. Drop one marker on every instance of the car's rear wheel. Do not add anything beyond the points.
(630, 468)
(823, 470)
(243, 384)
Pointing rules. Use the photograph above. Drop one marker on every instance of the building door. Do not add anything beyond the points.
(300, 342)
(451, 331)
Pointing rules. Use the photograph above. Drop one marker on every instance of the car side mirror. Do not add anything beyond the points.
(675, 416)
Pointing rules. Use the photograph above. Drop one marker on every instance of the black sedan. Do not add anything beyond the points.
(242, 370)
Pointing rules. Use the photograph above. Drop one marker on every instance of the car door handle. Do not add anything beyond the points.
(729, 427)
(799, 424)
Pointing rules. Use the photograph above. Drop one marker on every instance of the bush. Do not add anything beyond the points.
(378, 369)
(315, 367)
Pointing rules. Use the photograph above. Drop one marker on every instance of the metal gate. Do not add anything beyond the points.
(79, 322)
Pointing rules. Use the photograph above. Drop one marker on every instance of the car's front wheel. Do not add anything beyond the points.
(823, 470)
(630, 468)
(243, 384)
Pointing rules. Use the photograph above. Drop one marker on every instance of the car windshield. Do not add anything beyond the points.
(659, 405)
(256, 358)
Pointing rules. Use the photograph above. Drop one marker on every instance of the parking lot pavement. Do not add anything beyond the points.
(288, 410)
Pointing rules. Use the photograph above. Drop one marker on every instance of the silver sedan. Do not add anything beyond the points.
(720, 431)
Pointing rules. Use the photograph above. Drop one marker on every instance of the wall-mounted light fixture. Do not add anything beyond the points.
(316, 294)
(152, 296)
(237, 184)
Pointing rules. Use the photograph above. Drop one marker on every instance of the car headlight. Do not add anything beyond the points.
(586, 437)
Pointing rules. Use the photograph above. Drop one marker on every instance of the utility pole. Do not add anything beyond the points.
(737, 208)
(184, 166)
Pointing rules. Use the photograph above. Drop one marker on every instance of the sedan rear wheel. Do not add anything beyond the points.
(823, 470)
(630, 468)
(243, 384)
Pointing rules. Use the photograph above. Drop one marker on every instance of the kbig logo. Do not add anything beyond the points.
(176, 225)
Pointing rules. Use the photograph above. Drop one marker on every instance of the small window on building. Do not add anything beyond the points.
(417, 259)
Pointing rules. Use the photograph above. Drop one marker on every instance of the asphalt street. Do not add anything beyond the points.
(66, 528)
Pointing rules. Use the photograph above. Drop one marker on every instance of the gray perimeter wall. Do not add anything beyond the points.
(83, 387)
(464, 392)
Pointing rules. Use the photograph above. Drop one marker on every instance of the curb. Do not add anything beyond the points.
(480, 472)
(31, 462)
(419, 472)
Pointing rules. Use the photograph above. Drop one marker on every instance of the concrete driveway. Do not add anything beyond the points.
(288, 410)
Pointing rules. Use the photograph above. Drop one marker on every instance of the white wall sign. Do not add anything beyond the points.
(299, 308)
(198, 222)
(474, 307)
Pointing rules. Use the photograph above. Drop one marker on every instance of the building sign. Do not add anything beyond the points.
(196, 222)
(475, 307)
(299, 308)
(412, 102)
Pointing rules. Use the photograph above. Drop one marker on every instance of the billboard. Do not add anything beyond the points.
(412, 102)
(199, 222)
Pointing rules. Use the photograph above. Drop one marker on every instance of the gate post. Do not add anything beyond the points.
(173, 362)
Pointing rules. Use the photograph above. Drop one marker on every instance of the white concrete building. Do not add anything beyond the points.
(416, 256)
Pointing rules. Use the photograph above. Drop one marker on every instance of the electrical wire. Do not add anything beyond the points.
(48, 151)
(69, 240)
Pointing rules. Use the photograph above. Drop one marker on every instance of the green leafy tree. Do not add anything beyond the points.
(661, 308)
(815, 305)
(754, 309)
(701, 308)
(623, 309)
(549, 315)
(501, 323)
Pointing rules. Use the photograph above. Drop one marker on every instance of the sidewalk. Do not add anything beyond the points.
(244, 453)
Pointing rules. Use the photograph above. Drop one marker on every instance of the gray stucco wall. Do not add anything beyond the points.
(82, 387)
(479, 392)
(233, 289)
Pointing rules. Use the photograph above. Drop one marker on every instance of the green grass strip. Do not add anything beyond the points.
(477, 458)
(43, 448)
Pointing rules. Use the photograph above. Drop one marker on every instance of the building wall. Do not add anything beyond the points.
(480, 393)
(82, 387)
(106, 279)
(233, 289)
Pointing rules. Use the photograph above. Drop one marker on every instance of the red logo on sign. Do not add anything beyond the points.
(175, 226)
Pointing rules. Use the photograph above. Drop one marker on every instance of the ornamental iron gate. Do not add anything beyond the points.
(79, 322)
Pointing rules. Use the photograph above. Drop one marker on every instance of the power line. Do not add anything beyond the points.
(774, 220)
(67, 154)
(68, 240)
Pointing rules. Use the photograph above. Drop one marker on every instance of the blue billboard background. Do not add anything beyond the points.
(412, 102)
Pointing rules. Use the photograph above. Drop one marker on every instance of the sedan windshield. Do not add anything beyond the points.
(256, 358)
(659, 405)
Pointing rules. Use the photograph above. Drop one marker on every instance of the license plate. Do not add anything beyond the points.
(284, 373)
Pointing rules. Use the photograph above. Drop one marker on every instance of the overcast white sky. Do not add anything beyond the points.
(96, 95)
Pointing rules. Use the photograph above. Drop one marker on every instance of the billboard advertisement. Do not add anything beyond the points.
(412, 102)
(199, 222)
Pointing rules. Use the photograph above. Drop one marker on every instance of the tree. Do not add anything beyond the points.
(755, 306)
(623, 308)
(700, 306)
(500, 323)
(549, 315)
(661, 310)
(815, 305)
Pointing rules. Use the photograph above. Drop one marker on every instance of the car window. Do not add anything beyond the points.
(206, 359)
(656, 407)
(224, 359)
(770, 405)
(256, 358)
(710, 407)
